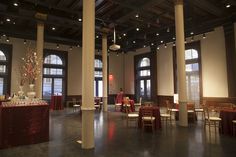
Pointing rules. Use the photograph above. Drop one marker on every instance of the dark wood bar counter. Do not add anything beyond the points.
(23, 124)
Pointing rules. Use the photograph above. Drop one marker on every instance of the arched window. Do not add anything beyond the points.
(5, 68)
(98, 83)
(54, 71)
(192, 75)
(144, 78)
(144, 62)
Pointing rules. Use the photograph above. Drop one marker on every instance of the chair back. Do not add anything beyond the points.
(190, 106)
(74, 101)
(147, 113)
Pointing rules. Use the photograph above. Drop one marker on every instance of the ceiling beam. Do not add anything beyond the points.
(207, 7)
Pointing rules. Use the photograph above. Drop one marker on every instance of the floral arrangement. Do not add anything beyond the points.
(30, 69)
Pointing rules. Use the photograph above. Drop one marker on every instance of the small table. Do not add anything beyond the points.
(156, 114)
(22, 125)
(227, 116)
(56, 102)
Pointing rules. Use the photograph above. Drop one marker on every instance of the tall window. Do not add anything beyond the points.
(192, 75)
(5, 68)
(193, 71)
(144, 78)
(98, 83)
(54, 74)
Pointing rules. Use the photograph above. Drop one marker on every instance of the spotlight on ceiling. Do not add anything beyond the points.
(70, 48)
(162, 41)
(53, 28)
(157, 34)
(204, 36)
(8, 20)
(173, 43)
(80, 19)
(165, 45)
(124, 34)
(137, 15)
(15, 4)
(134, 42)
(24, 41)
(228, 5)
(58, 46)
(137, 29)
(191, 33)
(7, 40)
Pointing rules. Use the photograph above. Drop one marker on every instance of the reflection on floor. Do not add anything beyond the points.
(114, 139)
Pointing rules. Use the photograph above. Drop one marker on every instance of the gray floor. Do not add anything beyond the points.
(114, 139)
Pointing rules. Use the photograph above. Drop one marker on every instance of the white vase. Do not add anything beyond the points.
(31, 94)
(21, 92)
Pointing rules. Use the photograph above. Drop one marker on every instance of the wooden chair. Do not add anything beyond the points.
(234, 127)
(132, 117)
(97, 104)
(191, 111)
(171, 108)
(200, 109)
(212, 118)
(166, 116)
(117, 105)
(76, 106)
(148, 120)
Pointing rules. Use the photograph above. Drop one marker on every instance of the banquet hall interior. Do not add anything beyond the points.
(114, 78)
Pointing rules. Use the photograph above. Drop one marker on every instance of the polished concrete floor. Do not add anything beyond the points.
(114, 139)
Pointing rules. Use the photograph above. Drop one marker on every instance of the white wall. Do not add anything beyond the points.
(214, 71)
(165, 82)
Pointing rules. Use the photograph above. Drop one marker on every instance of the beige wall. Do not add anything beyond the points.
(214, 72)
(74, 66)
(165, 82)
(116, 68)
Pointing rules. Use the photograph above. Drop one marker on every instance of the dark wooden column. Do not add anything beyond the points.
(230, 58)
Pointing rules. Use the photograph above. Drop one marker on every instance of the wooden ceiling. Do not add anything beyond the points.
(154, 18)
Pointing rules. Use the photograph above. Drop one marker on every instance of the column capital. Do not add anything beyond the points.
(176, 2)
(41, 16)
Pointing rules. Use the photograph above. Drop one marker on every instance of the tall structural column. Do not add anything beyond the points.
(180, 48)
(88, 48)
(40, 43)
(104, 70)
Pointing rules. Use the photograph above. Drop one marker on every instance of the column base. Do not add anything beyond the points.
(87, 128)
(104, 100)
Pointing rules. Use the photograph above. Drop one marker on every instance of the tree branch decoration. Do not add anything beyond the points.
(30, 69)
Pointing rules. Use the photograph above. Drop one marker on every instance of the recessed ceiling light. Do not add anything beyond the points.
(97, 36)
(157, 34)
(134, 41)
(124, 34)
(53, 28)
(8, 20)
(165, 45)
(162, 41)
(191, 33)
(173, 38)
(7, 40)
(78, 45)
(24, 41)
(204, 36)
(227, 5)
(173, 43)
(137, 29)
(14, 23)
(15, 4)
(58, 46)
(158, 47)
(144, 45)
(152, 44)
(4, 35)
(137, 15)
(79, 19)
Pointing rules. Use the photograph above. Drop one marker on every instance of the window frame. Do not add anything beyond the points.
(63, 55)
(7, 51)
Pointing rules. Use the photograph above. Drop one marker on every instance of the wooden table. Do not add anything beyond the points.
(56, 102)
(156, 114)
(22, 125)
(227, 116)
